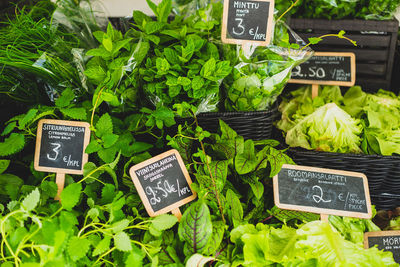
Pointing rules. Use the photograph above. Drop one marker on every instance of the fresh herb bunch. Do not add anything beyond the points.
(258, 79)
(181, 64)
(112, 69)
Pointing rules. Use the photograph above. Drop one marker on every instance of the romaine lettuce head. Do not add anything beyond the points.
(329, 128)
(301, 104)
(313, 244)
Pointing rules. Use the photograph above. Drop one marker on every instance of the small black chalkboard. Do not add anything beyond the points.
(60, 146)
(386, 240)
(323, 191)
(247, 21)
(163, 183)
(326, 68)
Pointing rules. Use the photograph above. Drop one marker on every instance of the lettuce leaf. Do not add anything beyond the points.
(329, 128)
(313, 244)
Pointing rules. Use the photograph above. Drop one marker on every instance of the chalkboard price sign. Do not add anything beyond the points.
(386, 240)
(323, 191)
(247, 21)
(163, 183)
(60, 146)
(326, 68)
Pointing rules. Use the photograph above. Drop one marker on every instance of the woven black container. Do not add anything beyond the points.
(383, 172)
(256, 125)
(376, 44)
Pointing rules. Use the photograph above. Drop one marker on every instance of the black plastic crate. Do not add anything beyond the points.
(376, 45)
(383, 172)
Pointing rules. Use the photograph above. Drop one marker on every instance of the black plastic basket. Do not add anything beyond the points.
(376, 44)
(383, 172)
(255, 125)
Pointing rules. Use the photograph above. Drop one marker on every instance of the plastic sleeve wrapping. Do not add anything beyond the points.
(262, 73)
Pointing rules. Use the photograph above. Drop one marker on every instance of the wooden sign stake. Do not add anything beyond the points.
(315, 90)
(60, 181)
(177, 213)
(324, 218)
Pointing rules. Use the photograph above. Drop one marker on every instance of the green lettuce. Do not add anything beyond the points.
(313, 244)
(329, 128)
(378, 114)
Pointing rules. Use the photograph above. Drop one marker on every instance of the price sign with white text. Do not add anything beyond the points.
(323, 191)
(386, 240)
(163, 183)
(326, 68)
(247, 21)
(60, 146)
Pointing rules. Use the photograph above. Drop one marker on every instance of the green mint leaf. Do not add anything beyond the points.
(174, 90)
(195, 227)
(93, 214)
(102, 246)
(139, 147)
(109, 140)
(154, 38)
(164, 222)
(12, 144)
(108, 44)
(67, 220)
(208, 69)
(119, 226)
(49, 188)
(96, 74)
(10, 185)
(70, 196)
(222, 70)
(197, 83)
(27, 118)
(162, 66)
(108, 194)
(314, 40)
(139, 17)
(108, 154)
(99, 52)
(163, 10)
(67, 96)
(9, 128)
(122, 241)
(153, 27)
(174, 34)
(31, 201)
(74, 113)
(142, 51)
(93, 146)
(152, 6)
(104, 125)
(4, 163)
(78, 247)
(135, 258)
(99, 35)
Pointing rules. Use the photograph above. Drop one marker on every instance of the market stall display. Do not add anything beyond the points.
(144, 93)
